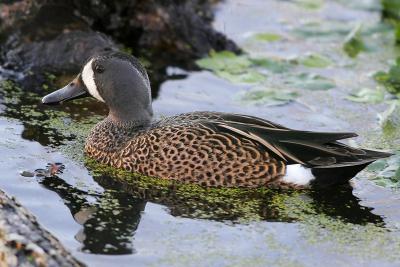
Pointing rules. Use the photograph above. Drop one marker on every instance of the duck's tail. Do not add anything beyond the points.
(344, 171)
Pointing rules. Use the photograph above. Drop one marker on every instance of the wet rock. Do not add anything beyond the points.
(38, 36)
(27, 174)
(24, 243)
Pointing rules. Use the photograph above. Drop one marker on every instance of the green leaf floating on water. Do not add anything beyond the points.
(232, 67)
(315, 61)
(224, 61)
(390, 80)
(368, 5)
(390, 120)
(310, 4)
(367, 95)
(311, 82)
(267, 37)
(353, 43)
(322, 30)
(250, 76)
(268, 96)
(273, 65)
(391, 9)
(386, 171)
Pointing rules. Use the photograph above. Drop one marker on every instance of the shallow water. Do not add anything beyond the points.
(107, 221)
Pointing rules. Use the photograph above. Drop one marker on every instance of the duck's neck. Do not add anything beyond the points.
(126, 124)
(135, 113)
(111, 134)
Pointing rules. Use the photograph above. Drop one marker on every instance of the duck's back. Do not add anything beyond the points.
(220, 149)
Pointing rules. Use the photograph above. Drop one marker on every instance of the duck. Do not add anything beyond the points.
(211, 149)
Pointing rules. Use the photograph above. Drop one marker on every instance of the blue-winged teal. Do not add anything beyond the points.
(208, 148)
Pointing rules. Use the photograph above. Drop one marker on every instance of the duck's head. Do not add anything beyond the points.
(115, 78)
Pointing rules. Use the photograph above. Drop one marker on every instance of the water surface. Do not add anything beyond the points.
(108, 221)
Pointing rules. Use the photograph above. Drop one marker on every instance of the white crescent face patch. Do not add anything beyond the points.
(88, 80)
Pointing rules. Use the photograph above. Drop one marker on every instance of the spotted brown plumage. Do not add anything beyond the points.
(207, 148)
(189, 149)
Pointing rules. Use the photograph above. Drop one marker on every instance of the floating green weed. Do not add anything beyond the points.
(391, 12)
(190, 200)
(326, 30)
(55, 127)
(267, 37)
(311, 81)
(244, 69)
(224, 61)
(272, 65)
(365, 241)
(354, 43)
(367, 95)
(315, 61)
(369, 5)
(234, 68)
(391, 9)
(250, 76)
(390, 120)
(391, 79)
(268, 96)
(310, 4)
(386, 171)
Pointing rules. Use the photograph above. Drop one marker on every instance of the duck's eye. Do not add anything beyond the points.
(99, 68)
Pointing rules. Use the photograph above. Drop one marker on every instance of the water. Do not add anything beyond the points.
(105, 221)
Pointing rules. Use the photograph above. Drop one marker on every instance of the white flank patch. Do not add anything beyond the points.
(298, 175)
(88, 80)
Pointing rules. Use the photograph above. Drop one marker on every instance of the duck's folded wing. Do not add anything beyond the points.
(249, 120)
(313, 149)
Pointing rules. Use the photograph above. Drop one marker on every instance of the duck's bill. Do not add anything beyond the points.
(75, 89)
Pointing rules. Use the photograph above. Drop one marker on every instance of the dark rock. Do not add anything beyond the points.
(65, 53)
(23, 242)
(38, 36)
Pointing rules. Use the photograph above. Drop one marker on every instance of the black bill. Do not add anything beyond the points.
(75, 89)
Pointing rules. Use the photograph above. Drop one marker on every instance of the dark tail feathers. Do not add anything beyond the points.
(343, 172)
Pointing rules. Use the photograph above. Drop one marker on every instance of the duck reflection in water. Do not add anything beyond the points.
(110, 219)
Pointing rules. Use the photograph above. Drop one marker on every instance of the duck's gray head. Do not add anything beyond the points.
(115, 78)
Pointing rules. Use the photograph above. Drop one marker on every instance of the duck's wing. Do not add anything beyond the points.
(312, 149)
(250, 120)
(219, 116)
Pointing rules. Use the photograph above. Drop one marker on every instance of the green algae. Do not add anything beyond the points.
(364, 241)
(190, 200)
(56, 127)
